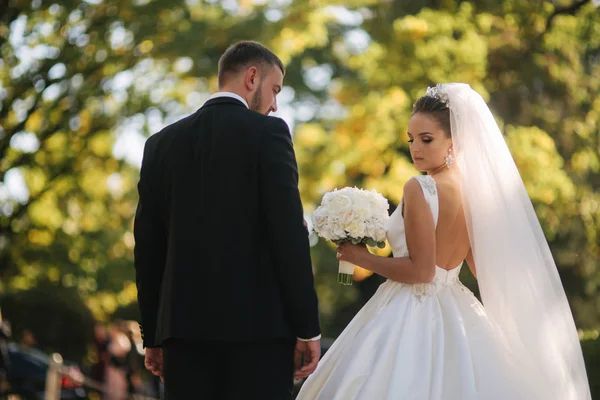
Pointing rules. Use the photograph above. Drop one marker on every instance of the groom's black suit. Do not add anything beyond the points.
(222, 259)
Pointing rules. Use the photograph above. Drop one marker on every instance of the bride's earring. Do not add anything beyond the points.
(449, 158)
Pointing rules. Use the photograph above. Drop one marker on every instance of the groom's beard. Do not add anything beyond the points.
(256, 100)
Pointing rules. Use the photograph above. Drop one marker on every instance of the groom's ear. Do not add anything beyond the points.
(251, 78)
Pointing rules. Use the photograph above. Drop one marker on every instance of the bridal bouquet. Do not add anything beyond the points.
(352, 215)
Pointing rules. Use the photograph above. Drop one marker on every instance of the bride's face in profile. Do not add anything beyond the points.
(429, 143)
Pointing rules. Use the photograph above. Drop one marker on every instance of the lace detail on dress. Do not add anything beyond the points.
(421, 290)
(443, 279)
(428, 183)
(462, 287)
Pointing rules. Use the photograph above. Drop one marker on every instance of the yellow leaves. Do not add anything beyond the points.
(102, 304)
(128, 294)
(101, 144)
(390, 185)
(11, 119)
(110, 69)
(415, 28)
(27, 277)
(4, 30)
(45, 212)
(538, 23)
(585, 160)
(146, 46)
(377, 168)
(87, 285)
(34, 122)
(304, 31)
(309, 135)
(361, 273)
(53, 274)
(117, 251)
(364, 144)
(435, 46)
(246, 7)
(288, 44)
(35, 179)
(213, 83)
(93, 182)
(165, 14)
(343, 137)
(56, 115)
(94, 217)
(129, 240)
(90, 51)
(540, 165)
(111, 165)
(485, 22)
(397, 98)
(371, 62)
(74, 255)
(70, 227)
(205, 12)
(85, 122)
(69, 280)
(40, 237)
(56, 142)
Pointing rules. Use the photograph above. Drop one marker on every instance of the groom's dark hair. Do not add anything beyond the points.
(436, 109)
(242, 55)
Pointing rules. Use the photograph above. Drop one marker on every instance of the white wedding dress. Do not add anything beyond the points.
(419, 342)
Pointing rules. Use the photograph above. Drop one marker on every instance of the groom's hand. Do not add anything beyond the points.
(154, 361)
(306, 358)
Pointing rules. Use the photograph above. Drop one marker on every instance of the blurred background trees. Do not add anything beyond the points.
(82, 83)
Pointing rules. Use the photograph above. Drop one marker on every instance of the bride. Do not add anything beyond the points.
(425, 336)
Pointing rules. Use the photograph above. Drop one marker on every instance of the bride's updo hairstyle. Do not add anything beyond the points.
(435, 108)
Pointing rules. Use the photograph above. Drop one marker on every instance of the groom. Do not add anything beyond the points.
(223, 269)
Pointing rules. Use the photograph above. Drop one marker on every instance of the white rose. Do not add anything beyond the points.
(356, 229)
(380, 234)
(347, 218)
(319, 218)
(340, 205)
(370, 231)
(329, 196)
(338, 232)
(361, 210)
(325, 231)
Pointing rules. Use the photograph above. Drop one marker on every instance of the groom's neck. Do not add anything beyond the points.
(233, 89)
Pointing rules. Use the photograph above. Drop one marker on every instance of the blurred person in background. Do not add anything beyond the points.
(5, 333)
(116, 370)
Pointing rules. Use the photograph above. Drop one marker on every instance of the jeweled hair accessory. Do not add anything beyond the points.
(438, 93)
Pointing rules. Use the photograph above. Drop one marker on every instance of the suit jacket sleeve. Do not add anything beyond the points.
(288, 239)
(150, 248)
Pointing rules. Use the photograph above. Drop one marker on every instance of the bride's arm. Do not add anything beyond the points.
(419, 267)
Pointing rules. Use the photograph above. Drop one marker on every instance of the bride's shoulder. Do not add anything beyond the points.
(418, 186)
(424, 183)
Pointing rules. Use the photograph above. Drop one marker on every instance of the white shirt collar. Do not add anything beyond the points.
(229, 94)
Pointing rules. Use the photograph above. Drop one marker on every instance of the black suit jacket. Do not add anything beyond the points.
(221, 251)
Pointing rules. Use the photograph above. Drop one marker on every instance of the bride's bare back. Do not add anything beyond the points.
(452, 236)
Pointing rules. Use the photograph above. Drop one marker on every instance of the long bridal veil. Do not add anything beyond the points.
(518, 279)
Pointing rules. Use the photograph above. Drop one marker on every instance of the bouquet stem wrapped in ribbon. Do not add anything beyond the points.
(352, 215)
